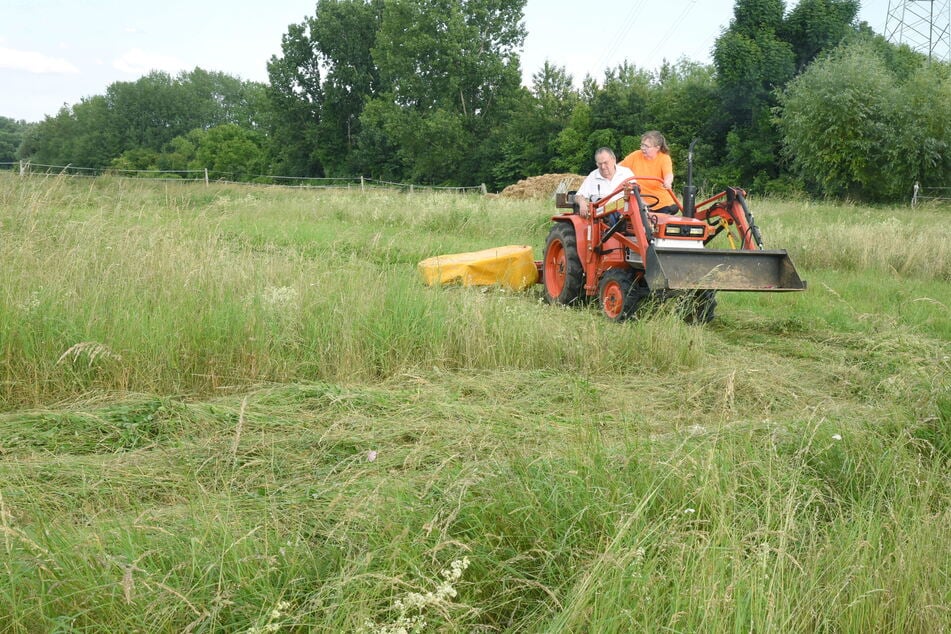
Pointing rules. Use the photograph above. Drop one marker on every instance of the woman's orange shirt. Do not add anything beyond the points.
(659, 167)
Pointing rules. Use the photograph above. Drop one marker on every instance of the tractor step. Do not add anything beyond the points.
(720, 269)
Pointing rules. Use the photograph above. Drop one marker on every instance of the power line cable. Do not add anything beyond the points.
(683, 15)
(621, 35)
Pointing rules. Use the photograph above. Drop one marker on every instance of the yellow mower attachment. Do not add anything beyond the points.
(511, 266)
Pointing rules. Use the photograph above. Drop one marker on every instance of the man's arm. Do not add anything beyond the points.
(584, 196)
(583, 204)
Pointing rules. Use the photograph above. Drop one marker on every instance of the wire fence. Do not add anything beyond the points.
(920, 194)
(926, 194)
(206, 177)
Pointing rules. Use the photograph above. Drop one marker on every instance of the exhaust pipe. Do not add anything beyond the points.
(690, 192)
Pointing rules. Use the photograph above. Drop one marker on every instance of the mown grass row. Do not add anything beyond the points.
(574, 516)
(234, 409)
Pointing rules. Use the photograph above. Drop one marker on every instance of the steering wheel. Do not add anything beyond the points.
(650, 200)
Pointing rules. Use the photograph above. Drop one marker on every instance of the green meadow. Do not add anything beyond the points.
(239, 409)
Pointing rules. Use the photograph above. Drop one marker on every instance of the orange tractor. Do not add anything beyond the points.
(646, 256)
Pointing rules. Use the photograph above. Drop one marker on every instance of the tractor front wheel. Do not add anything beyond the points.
(621, 292)
(562, 271)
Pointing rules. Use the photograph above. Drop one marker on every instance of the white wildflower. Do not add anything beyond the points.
(273, 623)
(418, 602)
(636, 560)
(31, 303)
(280, 298)
(763, 554)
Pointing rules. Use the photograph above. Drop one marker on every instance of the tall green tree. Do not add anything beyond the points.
(11, 136)
(760, 52)
(82, 135)
(216, 98)
(554, 92)
(149, 112)
(923, 150)
(573, 147)
(683, 105)
(230, 151)
(144, 114)
(683, 100)
(449, 73)
(620, 105)
(854, 128)
(295, 96)
(525, 145)
(751, 62)
(813, 26)
(344, 34)
(180, 153)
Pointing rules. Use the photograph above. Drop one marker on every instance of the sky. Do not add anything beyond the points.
(57, 52)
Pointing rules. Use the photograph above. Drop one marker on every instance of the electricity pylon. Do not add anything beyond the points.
(923, 25)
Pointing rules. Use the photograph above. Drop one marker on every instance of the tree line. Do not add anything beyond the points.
(429, 91)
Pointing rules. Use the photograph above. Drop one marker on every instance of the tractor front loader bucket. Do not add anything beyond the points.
(720, 269)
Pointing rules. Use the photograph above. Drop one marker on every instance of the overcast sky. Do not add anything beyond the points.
(55, 52)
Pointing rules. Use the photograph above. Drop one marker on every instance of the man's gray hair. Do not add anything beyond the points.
(604, 150)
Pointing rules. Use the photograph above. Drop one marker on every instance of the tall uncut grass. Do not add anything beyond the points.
(237, 409)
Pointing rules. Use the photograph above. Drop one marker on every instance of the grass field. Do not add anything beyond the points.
(237, 409)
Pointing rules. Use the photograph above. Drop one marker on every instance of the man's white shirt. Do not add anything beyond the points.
(596, 186)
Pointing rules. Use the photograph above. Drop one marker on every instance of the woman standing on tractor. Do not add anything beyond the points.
(653, 159)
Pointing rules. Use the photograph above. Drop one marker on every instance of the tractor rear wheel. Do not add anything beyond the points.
(621, 292)
(562, 271)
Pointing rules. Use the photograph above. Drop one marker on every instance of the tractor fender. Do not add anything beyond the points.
(582, 228)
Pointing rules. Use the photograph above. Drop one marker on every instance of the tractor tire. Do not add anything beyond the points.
(621, 293)
(562, 273)
(700, 307)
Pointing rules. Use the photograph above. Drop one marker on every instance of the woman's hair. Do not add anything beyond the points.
(656, 138)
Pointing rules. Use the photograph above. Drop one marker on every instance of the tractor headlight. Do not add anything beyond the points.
(691, 231)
